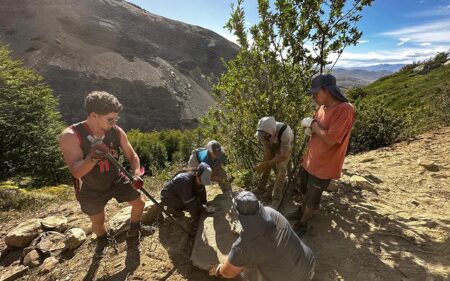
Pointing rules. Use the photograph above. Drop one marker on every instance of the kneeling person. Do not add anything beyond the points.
(186, 191)
(214, 156)
(267, 248)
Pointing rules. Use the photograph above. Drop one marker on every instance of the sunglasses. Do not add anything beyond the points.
(112, 120)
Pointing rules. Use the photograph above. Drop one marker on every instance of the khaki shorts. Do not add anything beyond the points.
(93, 202)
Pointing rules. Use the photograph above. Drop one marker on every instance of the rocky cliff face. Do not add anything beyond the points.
(158, 68)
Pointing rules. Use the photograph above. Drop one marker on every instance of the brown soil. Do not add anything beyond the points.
(399, 230)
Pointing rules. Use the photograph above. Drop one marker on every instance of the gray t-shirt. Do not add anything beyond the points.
(278, 254)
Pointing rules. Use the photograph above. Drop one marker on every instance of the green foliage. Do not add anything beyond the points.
(375, 127)
(29, 125)
(18, 199)
(159, 150)
(272, 72)
(413, 95)
(401, 105)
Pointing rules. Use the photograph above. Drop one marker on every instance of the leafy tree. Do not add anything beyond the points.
(29, 125)
(292, 42)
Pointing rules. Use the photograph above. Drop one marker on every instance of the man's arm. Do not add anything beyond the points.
(216, 178)
(130, 154)
(226, 270)
(284, 155)
(73, 155)
(321, 133)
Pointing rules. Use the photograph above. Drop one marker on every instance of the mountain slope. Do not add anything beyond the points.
(423, 98)
(158, 68)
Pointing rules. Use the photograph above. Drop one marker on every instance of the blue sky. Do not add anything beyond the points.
(394, 31)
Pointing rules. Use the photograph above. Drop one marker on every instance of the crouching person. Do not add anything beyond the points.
(214, 156)
(267, 248)
(186, 191)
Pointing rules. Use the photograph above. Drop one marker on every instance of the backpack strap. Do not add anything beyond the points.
(280, 133)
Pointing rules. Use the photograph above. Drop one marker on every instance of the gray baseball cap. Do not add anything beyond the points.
(215, 147)
(255, 220)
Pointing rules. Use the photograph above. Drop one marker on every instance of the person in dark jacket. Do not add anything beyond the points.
(186, 191)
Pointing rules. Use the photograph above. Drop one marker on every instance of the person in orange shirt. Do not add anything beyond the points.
(329, 129)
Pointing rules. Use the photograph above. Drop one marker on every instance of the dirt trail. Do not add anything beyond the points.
(397, 230)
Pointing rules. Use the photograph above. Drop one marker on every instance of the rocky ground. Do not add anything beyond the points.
(387, 219)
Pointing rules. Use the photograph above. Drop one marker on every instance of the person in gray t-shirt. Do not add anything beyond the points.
(267, 248)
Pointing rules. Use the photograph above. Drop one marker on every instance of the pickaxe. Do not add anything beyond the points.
(131, 178)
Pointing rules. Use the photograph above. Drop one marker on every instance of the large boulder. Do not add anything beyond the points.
(22, 235)
(216, 233)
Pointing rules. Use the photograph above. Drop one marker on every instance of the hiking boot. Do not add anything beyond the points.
(295, 215)
(301, 228)
(102, 246)
(144, 230)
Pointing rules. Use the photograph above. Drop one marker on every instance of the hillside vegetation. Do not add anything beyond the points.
(402, 105)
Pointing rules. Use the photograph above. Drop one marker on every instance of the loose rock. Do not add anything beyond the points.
(23, 234)
(57, 223)
(74, 238)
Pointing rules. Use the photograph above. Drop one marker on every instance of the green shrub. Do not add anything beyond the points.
(375, 127)
(18, 199)
(158, 150)
(29, 125)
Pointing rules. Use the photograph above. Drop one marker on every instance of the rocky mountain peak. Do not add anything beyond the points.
(157, 67)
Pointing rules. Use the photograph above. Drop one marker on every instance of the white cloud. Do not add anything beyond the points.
(401, 55)
(425, 44)
(438, 12)
(403, 41)
(434, 32)
(363, 41)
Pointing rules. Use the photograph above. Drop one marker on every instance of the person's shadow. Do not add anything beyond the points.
(132, 262)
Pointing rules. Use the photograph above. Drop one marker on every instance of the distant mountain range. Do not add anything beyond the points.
(363, 76)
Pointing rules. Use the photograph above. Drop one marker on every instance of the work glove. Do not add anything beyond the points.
(308, 131)
(229, 179)
(306, 122)
(137, 183)
(99, 150)
(214, 270)
(261, 167)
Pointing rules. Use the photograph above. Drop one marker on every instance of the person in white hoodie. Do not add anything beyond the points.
(277, 139)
